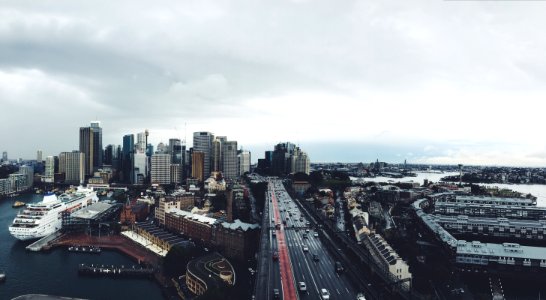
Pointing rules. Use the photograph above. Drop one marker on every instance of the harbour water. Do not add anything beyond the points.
(56, 272)
(537, 190)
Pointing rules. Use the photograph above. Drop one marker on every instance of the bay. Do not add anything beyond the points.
(55, 272)
(537, 190)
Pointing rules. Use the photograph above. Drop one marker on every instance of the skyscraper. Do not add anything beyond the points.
(4, 156)
(161, 169)
(87, 148)
(49, 173)
(141, 141)
(91, 147)
(28, 171)
(243, 162)
(97, 142)
(72, 164)
(175, 150)
(202, 142)
(197, 165)
(140, 168)
(127, 158)
(216, 153)
(39, 156)
(229, 159)
(108, 154)
(300, 162)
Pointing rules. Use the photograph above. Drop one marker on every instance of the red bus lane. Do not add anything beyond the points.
(287, 276)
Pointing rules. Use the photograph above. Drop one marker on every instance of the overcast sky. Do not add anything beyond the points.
(427, 81)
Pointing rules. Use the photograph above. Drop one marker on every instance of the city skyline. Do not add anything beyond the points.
(446, 82)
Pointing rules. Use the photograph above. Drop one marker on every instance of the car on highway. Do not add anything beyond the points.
(275, 255)
(305, 235)
(302, 287)
(276, 293)
(339, 267)
(305, 248)
(324, 294)
(360, 296)
(315, 234)
(316, 257)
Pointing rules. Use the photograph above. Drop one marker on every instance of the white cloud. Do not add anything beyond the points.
(429, 75)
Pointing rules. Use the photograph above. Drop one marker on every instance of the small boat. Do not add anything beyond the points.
(2, 277)
(18, 204)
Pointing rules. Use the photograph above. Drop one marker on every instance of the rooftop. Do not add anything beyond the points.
(92, 211)
(189, 215)
(213, 269)
(501, 250)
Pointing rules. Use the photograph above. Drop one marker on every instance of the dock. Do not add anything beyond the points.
(43, 242)
(114, 271)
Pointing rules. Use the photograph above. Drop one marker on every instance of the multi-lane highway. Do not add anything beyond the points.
(298, 257)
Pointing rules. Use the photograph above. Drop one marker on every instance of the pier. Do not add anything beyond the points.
(85, 249)
(114, 271)
(43, 242)
(110, 242)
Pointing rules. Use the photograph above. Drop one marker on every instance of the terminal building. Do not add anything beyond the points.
(90, 217)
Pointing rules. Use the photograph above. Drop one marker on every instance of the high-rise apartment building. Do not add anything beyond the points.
(229, 159)
(4, 156)
(202, 142)
(198, 165)
(39, 156)
(49, 173)
(28, 172)
(243, 162)
(72, 164)
(161, 169)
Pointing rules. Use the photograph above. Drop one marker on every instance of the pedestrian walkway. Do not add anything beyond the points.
(146, 243)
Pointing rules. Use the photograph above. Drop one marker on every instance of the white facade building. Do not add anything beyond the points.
(161, 169)
(243, 162)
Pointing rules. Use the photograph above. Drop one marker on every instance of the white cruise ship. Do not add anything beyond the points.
(37, 220)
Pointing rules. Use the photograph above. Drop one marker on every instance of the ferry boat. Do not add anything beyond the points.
(40, 219)
(18, 204)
